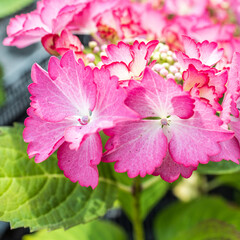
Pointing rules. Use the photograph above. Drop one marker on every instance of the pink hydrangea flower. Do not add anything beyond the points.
(119, 24)
(70, 104)
(186, 7)
(50, 17)
(176, 133)
(128, 61)
(207, 52)
(86, 21)
(151, 20)
(231, 114)
(207, 85)
(58, 45)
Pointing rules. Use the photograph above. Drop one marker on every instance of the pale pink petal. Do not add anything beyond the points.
(68, 89)
(185, 61)
(185, 7)
(170, 170)
(230, 150)
(195, 139)
(120, 70)
(118, 53)
(24, 30)
(81, 165)
(209, 53)
(208, 93)
(43, 137)
(190, 47)
(153, 96)
(109, 109)
(137, 147)
(141, 55)
(218, 81)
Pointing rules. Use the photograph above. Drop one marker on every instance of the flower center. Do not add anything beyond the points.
(164, 122)
(84, 120)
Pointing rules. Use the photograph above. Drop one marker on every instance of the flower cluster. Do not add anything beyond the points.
(166, 106)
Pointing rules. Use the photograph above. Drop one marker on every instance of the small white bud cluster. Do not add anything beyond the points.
(166, 63)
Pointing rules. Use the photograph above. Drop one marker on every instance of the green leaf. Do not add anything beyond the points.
(8, 7)
(153, 189)
(90, 231)
(2, 91)
(216, 168)
(232, 180)
(39, 196)
(210, 230)
(182, 217)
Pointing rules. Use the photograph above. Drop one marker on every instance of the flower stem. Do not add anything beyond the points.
(137, 221)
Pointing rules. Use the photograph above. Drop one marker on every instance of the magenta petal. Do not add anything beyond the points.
(81, 165)
(230, 150)
(183, 106)
(170, 170)
(68, 89)
(235, 126)
(43, 137)
(195, 139)
(137, 147)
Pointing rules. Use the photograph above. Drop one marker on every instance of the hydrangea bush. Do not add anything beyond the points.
(156, 91)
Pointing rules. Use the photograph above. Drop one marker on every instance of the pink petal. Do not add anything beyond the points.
(120, 70)
(109, 109)
(170, 170)
(118, 53)
(81, 165)
(183, 106)
(192, 77)
(230, 150)
(141, 55)
(25, 29)
(185, 61)
(190, 47)
(235, 126)
(153, 97)
(208, 93)
(210, 54)
(195, 139)
(137, 147)
(68, 89)
(218, 81)
(43, 137)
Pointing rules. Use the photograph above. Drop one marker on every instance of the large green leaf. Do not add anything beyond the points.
(8, 7)
(216, 168)
(210, 230)
(39, 196)
(96, 230)
(182, 217)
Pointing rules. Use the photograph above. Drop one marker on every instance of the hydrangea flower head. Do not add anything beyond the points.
(176, 132)
(70, 104)
(128, 61)
(50, 17)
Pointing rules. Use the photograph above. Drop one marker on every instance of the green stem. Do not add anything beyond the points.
(137, 221)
